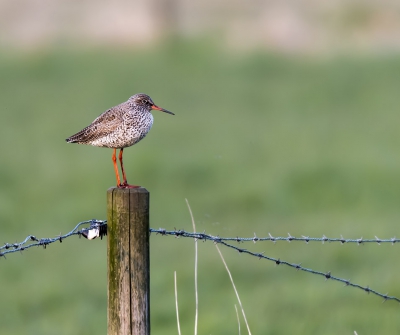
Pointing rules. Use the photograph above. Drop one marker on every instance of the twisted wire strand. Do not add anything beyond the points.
(97, 228)
(289, 238)
(277, 261)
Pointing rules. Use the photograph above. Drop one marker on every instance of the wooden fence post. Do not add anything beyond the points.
(128, 261)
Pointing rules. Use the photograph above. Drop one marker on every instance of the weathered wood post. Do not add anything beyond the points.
(128, 261)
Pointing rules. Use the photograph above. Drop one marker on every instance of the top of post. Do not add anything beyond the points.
(119, 190)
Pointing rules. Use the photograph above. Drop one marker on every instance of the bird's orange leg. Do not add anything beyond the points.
(114, 159)
(125, 184)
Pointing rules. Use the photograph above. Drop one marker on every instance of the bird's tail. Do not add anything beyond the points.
(78, 137)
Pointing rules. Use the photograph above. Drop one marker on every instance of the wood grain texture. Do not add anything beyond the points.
(128, 261)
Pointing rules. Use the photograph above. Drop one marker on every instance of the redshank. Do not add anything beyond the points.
(120, 127)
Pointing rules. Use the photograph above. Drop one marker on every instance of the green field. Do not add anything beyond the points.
(260, 143)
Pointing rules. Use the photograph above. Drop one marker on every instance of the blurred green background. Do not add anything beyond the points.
(265, 140)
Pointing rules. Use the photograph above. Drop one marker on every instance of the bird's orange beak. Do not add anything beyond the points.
(161, 109)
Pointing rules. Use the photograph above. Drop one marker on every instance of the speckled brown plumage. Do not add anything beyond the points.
(120, 127)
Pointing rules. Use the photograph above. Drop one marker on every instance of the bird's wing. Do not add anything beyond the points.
(103, 125)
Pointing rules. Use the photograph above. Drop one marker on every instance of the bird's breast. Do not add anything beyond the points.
(136, 126)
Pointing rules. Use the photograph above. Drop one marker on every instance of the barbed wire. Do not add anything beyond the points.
(97, 228)
(289, 238)
(277, 261)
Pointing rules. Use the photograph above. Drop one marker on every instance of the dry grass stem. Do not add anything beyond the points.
(234, 287)
(176, 305)
(195, 270)
(237, 315)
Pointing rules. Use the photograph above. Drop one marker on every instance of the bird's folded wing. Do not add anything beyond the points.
(102, 126)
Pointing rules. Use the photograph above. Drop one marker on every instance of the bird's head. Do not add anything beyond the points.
(143, 100)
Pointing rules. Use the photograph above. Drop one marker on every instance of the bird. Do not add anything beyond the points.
(120, 127)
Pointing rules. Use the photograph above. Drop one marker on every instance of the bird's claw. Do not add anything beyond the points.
(126, 185)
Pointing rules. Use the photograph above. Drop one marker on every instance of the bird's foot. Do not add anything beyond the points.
(126, 185)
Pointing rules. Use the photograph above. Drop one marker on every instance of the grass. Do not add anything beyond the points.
(259, 143)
